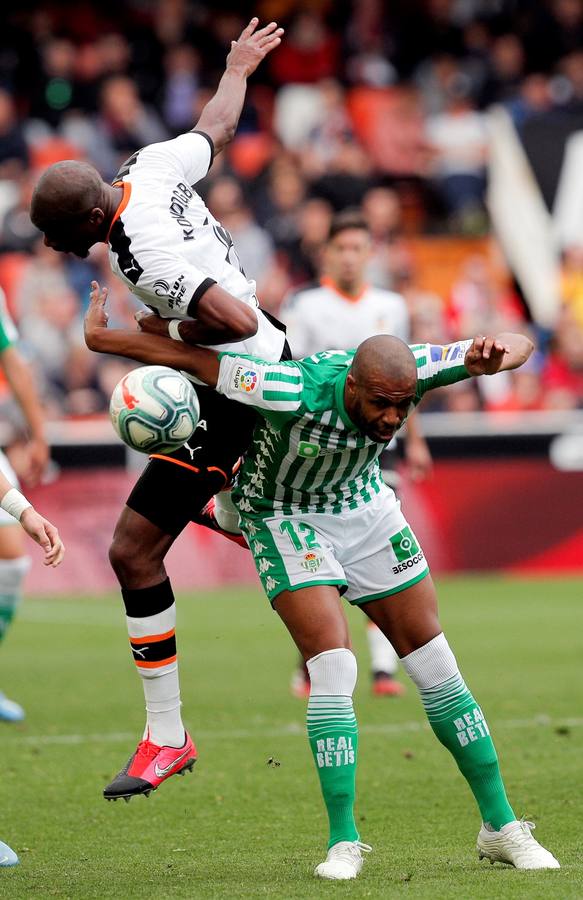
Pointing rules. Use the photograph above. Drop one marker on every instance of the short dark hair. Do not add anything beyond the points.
(346, 220)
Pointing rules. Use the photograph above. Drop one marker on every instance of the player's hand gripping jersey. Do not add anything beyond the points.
(167, 247)
(308, 456)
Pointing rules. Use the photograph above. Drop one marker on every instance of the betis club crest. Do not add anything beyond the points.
(311, 561)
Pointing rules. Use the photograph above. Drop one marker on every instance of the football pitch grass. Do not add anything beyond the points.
(240, 826)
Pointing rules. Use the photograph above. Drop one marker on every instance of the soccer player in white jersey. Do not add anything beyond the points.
(14, 562)
(177, 259)
(341, 312)
(320, 523)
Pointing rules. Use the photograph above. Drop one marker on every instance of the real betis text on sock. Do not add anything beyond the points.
(459, 724)
(333, 736)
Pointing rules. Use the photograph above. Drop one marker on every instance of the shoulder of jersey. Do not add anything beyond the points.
(297, 295)
(387, 295)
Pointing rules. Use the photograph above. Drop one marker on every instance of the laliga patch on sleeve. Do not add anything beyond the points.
(245, 380)
(449, 352)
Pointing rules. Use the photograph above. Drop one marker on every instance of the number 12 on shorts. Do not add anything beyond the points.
(309, 541)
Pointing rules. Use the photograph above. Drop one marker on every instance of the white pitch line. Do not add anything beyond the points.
(289, 730)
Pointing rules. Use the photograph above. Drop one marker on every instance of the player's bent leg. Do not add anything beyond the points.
(137, 557)
(316, 622)
(13, 568)
(409, 619)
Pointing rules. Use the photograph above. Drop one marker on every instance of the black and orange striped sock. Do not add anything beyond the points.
(151, 620)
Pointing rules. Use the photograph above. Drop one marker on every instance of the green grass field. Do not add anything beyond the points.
(239, 827)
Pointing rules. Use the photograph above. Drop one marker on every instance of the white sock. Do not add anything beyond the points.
(154, 647)
(226, 514)
(382, 655)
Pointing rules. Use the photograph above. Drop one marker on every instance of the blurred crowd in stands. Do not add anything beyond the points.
(369, 104)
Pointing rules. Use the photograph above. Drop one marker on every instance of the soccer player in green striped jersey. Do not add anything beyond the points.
(321, 523)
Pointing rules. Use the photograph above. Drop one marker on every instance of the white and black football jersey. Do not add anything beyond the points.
(169, 249)
(321, 317)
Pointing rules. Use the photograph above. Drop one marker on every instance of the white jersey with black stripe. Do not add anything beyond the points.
(168, 248)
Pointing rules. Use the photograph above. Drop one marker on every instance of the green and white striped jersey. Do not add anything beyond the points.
(306, 454)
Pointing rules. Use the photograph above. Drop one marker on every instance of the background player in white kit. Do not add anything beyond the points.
(177, 258)
(14, 562)
(341, 312)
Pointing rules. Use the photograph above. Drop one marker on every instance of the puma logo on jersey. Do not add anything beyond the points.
(192, 450)
(132, 268)
(141, 653)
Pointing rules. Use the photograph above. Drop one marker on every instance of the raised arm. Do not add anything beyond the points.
(220, 116)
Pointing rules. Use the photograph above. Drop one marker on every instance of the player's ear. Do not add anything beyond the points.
(96, 216)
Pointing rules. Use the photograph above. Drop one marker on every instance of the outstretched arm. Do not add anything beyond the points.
(488, 355)
(146, 348)
(220, 116)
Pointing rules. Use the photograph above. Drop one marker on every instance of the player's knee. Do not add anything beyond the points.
(333, 672)
(126, 561)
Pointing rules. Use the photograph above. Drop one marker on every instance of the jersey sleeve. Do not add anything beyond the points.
(190, 155)
(439, 365)
(166, 282)
(8, 332)
(273, 389)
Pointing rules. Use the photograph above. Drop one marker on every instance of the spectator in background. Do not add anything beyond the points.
(334, 129)
(53, 94)
(122, 123)
(304, 256)
(460, 144)
(506, 70)
(279, 204)
(571, 286)
(382, 210)
(181, 86)
(310, 51)
(14, 155)
(532, 98)
(562, 376)
(254, 246)
(17, 233)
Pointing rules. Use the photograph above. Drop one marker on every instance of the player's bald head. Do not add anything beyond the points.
(380, 386)
(73, 207)
(67, 190)
(384, 357)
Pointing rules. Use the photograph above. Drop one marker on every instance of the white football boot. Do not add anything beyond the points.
(344, 861)
(514, 844)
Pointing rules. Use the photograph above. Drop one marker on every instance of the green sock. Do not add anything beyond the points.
(8, 604)
(333, 736)
(459, 724)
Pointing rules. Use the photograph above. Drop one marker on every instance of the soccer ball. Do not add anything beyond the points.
(154, 409)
